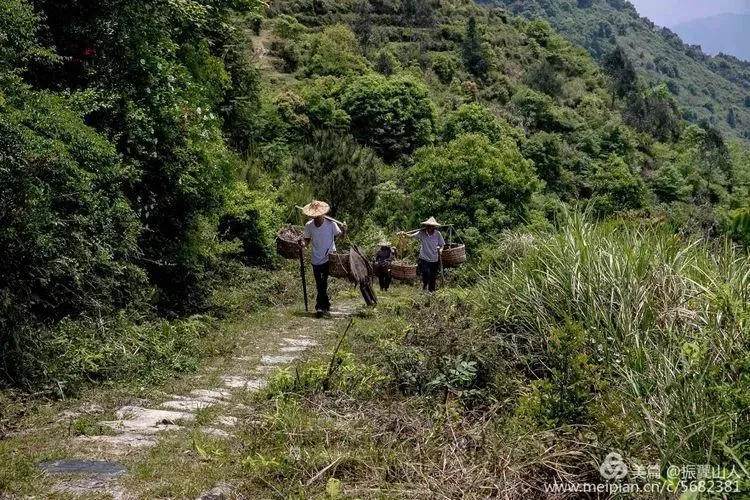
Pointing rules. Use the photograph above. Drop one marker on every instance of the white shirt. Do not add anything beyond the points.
(430, 244)
(321, 240)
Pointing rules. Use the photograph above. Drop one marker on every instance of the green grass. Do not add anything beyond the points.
(581, 341)
(491, 390)
(63, 360)
(647, 328)
(34, 430)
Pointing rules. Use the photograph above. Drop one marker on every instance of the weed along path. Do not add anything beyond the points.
(171, 440)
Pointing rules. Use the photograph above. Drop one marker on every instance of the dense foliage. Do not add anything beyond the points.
(149, 151)
(710, 88)
(115, 169)
(474, 183)
(149, 148)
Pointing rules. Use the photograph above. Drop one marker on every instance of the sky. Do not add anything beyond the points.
(670, 13)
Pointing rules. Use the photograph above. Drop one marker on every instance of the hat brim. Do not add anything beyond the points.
(316, 209)
(431, 222)
(316, 213)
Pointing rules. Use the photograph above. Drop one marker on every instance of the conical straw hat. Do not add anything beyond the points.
(316, 208)
(431, 222)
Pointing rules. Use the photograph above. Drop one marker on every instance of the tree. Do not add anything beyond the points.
(543, 78)
(731, 118)
(550, 156)
(418, 13)
(654, 111)
(473, 183)
(155, 66)
(340, 171)
(335, 52)
(445, 65)
(615, 188)
(618, 67)
(670, 185)
(539, 110)
(363, 24)
(472, 119)
(390, 195)
(392, 115)
(287, 27)
(475, 54)
(714, 154)
(68, 236)
(385, 62)
(18, 24)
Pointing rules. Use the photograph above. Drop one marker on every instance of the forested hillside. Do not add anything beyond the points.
(151, 149)
(711, 88)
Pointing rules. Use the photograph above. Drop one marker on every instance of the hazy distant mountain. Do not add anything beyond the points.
(727, 33)
(670, 13)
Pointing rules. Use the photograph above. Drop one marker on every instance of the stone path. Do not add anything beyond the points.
(138, 426)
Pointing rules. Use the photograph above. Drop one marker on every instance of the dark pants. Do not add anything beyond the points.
(384, 275)
(429, 274)
(321, 284)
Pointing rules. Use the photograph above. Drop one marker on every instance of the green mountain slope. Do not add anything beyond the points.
(373, 70)
(712, 88)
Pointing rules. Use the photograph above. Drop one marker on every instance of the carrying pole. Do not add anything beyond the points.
(302, 274)
(442, 271)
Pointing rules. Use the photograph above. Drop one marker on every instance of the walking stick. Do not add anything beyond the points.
(302, 273)
(442, 271)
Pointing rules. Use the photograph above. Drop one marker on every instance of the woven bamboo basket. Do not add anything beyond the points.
(454, 255)
(339, 264)
(403, 271)
(287, 242)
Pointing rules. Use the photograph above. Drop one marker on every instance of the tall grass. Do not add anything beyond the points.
(664, 350)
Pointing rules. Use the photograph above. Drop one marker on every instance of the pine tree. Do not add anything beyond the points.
(624, 78)
(474, 52)
(363, 24)
(732, 118)
(340, 170)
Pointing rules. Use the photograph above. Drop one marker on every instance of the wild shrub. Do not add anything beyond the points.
(69, 238)
(59, 359)
(657, 318)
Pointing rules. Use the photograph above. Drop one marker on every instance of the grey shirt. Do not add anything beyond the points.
(430, 244)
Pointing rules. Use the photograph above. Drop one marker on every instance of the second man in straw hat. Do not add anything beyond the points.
(320, 233)
(432, 244)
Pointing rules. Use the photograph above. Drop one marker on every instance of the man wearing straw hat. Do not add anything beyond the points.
(321, 233)
(432, 244)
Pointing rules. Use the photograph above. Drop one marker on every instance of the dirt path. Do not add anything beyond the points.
(113, 445)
